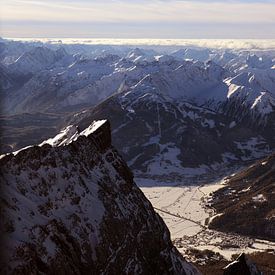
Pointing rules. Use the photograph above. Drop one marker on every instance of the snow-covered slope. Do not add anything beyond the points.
(140, 56)
(215, 119)
(37, 59)
(72, 207)
(162, 137)
(62, 87)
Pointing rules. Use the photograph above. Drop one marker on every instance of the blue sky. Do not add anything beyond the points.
(138, 19)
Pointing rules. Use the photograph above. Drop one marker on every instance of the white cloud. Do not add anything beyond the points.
(241, 44)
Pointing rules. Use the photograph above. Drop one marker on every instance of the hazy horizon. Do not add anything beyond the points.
(167, 19)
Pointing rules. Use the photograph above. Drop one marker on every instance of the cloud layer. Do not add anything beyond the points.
(236, 44)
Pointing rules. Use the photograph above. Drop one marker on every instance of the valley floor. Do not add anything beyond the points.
(183, 207)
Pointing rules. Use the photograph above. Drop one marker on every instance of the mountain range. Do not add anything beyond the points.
(219, 105)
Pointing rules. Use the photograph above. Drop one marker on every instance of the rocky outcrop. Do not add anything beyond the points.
(73, 208)
(242, 265)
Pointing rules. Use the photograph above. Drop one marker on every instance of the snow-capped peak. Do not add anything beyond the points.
(92, 128)
(66, 136)
(71, 133)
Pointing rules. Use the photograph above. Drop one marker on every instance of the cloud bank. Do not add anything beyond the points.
(238, 44)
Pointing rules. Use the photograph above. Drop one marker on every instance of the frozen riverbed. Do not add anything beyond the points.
(183, 208)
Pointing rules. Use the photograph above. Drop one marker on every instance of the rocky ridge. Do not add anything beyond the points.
(72, 207)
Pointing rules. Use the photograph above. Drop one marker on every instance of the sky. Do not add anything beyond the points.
(196, 19)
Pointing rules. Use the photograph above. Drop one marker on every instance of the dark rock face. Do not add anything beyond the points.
(242, 265)
(74, 209)
(102, 136)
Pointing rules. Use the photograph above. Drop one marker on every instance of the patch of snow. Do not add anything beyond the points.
(255, 147)
(263, 104)
(232, 124)
(64, 137)
(208, 123)
(245, 190)
(228, 157)
(93, 127)
(259, 198)
(167, 161)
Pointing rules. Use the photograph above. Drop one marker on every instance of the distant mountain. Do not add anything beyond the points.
(171, 122)
(6, 79)
(12, 50)
(62, 81)
(140, 55)
(246, 204)
(192, 53)
(37, 59)
(72, 207)
(220, 111)
(263, 62)
(62, 87)
(59, 81)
